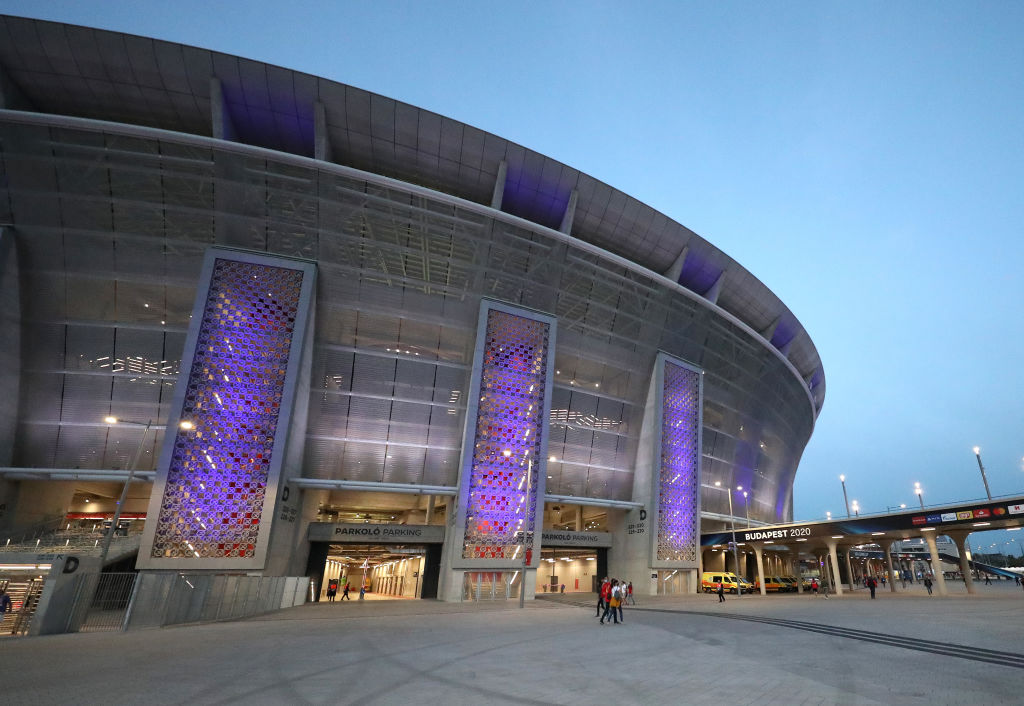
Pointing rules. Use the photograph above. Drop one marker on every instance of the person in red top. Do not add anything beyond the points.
(603, 595)
(629, 593)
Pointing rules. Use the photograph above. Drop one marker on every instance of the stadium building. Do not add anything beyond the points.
(315, 331)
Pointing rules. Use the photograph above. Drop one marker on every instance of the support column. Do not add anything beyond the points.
(940, 581)
(579, 518)
(430, 509)
(965, 566)
(834, 562)
(849, 570)
(794, 570)
(759, 558)
(887, 548)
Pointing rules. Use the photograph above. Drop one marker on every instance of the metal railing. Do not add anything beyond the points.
(173, 599)
(101, 602)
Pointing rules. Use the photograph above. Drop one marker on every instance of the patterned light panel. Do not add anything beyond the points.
(507, 444)
(217, 480)
(680, 456)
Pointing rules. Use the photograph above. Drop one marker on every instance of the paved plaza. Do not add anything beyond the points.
(795, 649)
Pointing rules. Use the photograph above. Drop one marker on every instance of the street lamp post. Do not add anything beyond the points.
(746, 508)
(920, 494)
(128, 482)
(856, 509)
(842, 479)
(526, 526)
(735, 551)
(977, 455)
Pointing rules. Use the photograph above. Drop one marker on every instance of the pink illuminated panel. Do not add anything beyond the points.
(507, 444)
(680, 455)
(213, 499)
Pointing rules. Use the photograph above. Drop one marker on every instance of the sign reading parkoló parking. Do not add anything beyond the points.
(565, 538)
(376, 534)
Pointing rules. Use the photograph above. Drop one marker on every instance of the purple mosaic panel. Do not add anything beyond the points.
(507, 444)
(680, 455)
(217, 480)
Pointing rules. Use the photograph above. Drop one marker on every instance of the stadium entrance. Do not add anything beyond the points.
(578, 570)
(375, 561)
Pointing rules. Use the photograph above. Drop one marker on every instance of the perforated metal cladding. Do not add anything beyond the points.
(678, 524)
(216, 483)
(507, 445)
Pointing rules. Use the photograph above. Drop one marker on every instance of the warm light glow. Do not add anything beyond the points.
(552, 459)
(186, 424)
(739, 487)
(718, 484)
(110, 420)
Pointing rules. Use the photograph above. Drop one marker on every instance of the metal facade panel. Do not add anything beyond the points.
(216, 488)
(503, 477)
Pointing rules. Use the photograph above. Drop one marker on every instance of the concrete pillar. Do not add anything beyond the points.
(759, 558)
(940, 582)
(834, 562)
(430, 509)
(579, 518)
(965, 567)
(849, 570)
(795, 571)
(887, 548)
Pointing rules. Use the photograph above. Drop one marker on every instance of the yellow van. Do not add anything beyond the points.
(772, 584)
(709, 581)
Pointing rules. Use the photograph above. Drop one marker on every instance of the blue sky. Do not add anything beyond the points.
(864, 160)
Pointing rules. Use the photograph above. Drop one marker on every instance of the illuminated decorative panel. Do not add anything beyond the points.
(217, 478)
(508, 445)
(678, 478)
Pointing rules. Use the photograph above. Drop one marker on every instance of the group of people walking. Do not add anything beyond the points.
(610, 599)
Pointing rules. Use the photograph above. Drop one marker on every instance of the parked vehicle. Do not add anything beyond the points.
(710, 579)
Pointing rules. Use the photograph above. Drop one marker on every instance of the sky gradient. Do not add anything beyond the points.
(862, 160)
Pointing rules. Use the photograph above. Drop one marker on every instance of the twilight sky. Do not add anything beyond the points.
(864, 160)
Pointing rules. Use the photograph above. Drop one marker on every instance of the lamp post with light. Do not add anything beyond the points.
(526, 526)
(131, 476)
(842, 479)
(735, 551)
(746, 507)
(856, 509)
(977, 454)
(920, 494)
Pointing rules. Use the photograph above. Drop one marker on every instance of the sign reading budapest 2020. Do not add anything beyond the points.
(784, 533)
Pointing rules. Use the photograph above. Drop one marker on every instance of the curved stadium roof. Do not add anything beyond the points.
(76, 71)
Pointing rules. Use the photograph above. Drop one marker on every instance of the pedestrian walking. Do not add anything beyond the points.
(614, 598)
(988, 580)
(928, 584)
(721, 592)
(563, 588)
(362, 592)
(814, 586)
(825, 588)
(603, 594)
(5, 604)
(344, 593)
(622, 599)
(872, 585)
(629, 593)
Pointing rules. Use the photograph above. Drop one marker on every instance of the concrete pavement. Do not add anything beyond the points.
(789, 649)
